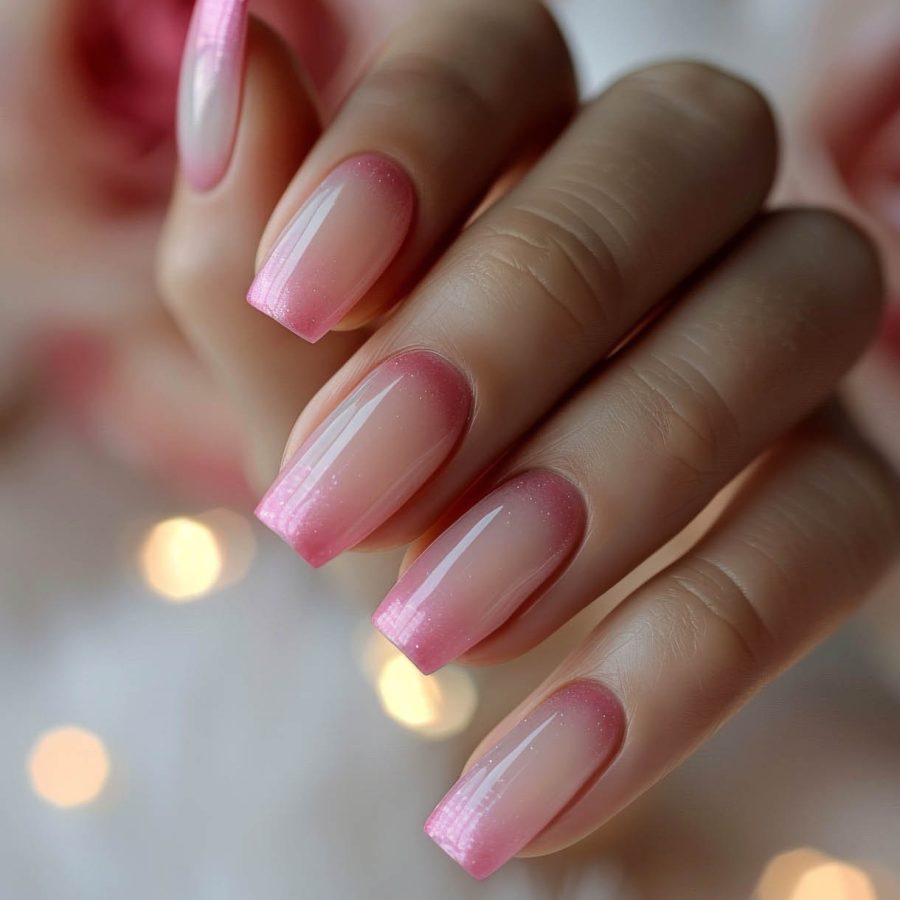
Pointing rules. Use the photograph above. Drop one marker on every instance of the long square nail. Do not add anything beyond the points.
(478, 572)
(337, 246)
(525, 780)
(378, 447)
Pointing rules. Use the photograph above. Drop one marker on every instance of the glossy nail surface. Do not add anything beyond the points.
(209, 94)
(336, 247)
(476, 574)
(375, 450)
(513, 792)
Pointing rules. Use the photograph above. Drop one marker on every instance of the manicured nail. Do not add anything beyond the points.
(369, 456)
(337, 246)
(513, 792)
(476, 574)
(209, 94)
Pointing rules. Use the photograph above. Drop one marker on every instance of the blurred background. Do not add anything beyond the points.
(187, 711)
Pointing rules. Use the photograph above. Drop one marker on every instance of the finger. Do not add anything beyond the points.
(650, 180)
(646, 444)
(206, 255)
(805, 539)
(453, 100)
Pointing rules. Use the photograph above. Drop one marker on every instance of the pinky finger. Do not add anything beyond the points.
(808, 535)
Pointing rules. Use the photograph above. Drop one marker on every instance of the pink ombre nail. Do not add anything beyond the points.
(476, 574)
(369, 456)
(209, 93)
(522, 783)
(337, 246)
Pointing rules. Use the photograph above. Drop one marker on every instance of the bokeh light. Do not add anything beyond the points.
(433, 706)
(237, 543)
(68, 766)
(807, 874)
(834, 881)
(181, 559)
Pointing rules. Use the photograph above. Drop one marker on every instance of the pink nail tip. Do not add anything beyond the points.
(483, 568)
(209, 91)
(337, 246)
(510, 795)
(375, 450)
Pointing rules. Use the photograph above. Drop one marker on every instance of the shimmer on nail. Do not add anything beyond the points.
(337, 246)
(209, 91)
(528, 777)
(375, 450)
(476, 574)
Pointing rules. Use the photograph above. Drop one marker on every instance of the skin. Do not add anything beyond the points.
(664, 175)
(101, 207)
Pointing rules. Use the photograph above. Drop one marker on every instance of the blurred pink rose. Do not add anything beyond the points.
(87, 98)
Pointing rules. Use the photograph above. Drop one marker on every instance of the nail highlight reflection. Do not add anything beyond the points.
(209, 91)
(476, 574)
(514, 791)
(337, 246)
(375, 450)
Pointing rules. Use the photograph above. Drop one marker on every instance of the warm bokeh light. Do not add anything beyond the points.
(785, 870)
(406, 695)
(181, 559)
(434, 706)
(236, 540)
(834, 881)
(68, 766)
(807, 874)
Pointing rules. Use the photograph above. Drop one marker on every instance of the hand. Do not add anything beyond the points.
(539, 400)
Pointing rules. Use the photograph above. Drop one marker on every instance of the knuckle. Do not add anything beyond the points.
(545, 48)
(416, 78)
(827, 234)
(708, 89)
(523, 30)
(566, 263)
(712, 599)
(685, 420)
(733, 108)
(432, 62)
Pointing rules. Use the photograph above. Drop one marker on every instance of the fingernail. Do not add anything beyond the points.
(369, 456)
(514, 791)
(476, 574)
(209, 92)
(337, 246)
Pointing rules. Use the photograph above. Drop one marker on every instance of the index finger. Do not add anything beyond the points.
(460, 91)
